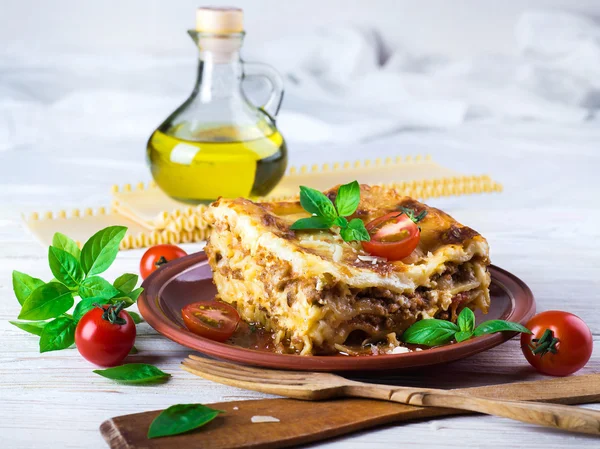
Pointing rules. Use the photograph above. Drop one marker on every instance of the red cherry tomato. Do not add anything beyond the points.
(157, 256)
(560, 343)
(393, 236)
(211, 319)
(105, 336)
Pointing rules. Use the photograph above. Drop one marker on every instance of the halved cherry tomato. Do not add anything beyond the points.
(159, 255)
(211, 319)
(393, 236)
(560, 343)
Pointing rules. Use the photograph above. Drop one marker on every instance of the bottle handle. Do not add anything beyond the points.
(259, 70)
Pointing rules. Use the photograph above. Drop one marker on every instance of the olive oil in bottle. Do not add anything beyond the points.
(217, 143)
(220, 161)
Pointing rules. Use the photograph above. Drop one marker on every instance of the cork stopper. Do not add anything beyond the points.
(219, 20)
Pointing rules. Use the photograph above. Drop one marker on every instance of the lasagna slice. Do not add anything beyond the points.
(317, 293)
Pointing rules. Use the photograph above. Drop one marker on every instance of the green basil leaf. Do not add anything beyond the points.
(97, 287)
(33, 327)
(126, 282)
(493, 326)
(125, 299)
(84, 306)
(137, 319)
(462, 336)
(355, 231)
(358, 225)
(315, 202)
(129, 300)
(133, 373)
(311, 223)
(347, 198)
(341, 222)
(64, 267)
(47, 301)
(466, 320)
(181, 418)
(132, 297)
(430, 332)
(63, 242)
(58, 334)
(134, 350)
(24, 285)
(101, 249)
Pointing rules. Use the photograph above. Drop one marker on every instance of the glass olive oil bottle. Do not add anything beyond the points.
(217, 143)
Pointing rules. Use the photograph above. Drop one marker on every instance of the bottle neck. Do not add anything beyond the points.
(220, 67)
(218, 79)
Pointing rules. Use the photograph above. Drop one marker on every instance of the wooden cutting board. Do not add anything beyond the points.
(304, 422)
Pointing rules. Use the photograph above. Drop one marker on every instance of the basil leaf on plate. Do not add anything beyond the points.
(430, 332)
(65, 268)
(133, 373)
(137, 319)
(33, 327)
(181, 418)
(97, 287)
(24, 285)
(101, 249)
(492, 326)
(462, 336)
(47, 301)
(311, 223)
(466, 320)
(347, 199)
(126, 282)
(317, 203)
(58, 334)
(355, 231)
(65, 243)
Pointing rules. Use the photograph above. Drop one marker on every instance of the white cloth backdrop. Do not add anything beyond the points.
(343, 85)
(555, 77)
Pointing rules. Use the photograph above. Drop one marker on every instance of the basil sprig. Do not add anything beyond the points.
(33, 327)
(325, 214)
(24, 285)
(181, 418)
(75, 274)
(47, 301)
(431, 332)
(135, 317)
(434, 332)
(134, 373)
(58, 334)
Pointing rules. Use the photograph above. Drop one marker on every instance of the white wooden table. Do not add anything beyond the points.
(543, 227)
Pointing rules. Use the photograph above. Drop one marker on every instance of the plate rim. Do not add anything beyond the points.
(149, 307)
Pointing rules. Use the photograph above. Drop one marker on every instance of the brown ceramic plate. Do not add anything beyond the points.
(189, 279)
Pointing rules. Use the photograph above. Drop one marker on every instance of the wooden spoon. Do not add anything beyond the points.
(318, 386)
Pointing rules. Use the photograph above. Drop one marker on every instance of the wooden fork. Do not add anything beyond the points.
(316, 386)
